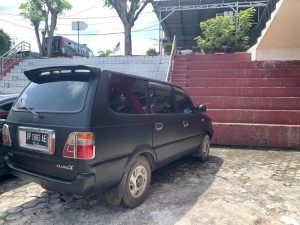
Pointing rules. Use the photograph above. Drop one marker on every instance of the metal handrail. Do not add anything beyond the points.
(264, 18)
(14, 55)
(171, 63)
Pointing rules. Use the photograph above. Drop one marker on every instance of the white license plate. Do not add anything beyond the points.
(37, 139)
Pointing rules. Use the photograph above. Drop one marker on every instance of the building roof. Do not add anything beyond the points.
(182, 17)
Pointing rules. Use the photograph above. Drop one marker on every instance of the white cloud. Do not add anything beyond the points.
(110, 23)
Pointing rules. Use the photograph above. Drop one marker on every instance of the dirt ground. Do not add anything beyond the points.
(235, 186)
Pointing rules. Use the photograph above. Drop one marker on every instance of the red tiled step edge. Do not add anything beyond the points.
(237, 73)
(239, 82)
(215, 57)
(259, 135)
(263, 103)
(236, 65)
(255, 116)
(245, 91)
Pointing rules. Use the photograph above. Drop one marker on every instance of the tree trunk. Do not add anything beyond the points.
(127, 35)
(37, 35)
(43, 42)
(51, 33)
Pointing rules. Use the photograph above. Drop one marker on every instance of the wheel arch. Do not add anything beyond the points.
(144, 150)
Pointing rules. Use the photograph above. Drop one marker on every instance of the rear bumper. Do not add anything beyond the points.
(83, 184)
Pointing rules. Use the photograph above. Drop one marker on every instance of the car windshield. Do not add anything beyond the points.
(58, 95)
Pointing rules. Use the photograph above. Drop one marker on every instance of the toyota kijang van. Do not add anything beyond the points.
(80, 130)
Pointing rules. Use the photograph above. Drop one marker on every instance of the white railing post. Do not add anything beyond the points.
(173, 52)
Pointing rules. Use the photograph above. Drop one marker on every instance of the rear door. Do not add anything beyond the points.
(166, 126)
(53, 105)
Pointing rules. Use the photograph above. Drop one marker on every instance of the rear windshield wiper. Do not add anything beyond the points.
(30, 110)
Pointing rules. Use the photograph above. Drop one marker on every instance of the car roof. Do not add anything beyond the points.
(8, 98)
(142, 78)
(32, 74)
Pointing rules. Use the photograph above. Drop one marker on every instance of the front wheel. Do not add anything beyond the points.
(204, 148)
(137, 183)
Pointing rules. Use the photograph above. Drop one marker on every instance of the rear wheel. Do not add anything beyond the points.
(137, 183)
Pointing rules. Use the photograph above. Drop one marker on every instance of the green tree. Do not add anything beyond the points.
(128, 11)
(29, 10)
(105, 53)
(5, 42)
(45, 11)
(231, 32)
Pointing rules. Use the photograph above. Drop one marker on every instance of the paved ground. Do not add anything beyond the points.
(233, 187)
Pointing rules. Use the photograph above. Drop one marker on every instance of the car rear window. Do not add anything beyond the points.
(60, 95)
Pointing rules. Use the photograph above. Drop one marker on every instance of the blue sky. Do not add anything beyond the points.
(100, 20)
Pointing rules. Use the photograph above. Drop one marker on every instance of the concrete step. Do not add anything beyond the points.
(237, 73)
(257, 135)
(245, 91)
(291, 117)
(206, 65)
(239, 82)
(15, 83)
(262, 103)
(11, 90)
(10, 77)
(215, 57)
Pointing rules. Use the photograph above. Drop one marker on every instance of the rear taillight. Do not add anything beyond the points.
(80, 145)
(6, 135)
(62, 44)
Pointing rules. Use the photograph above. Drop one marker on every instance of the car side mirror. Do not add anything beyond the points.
(201, 108)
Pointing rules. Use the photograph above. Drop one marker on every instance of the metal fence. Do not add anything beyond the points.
(13, 56)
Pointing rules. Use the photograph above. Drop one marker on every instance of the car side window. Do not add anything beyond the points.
(127, 95)
(183, 102)
(160, 97)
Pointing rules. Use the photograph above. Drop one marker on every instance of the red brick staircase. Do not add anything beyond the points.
(250, 103)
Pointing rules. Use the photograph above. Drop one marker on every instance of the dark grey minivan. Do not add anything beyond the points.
(80, 130)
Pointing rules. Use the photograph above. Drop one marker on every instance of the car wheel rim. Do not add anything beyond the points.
(205, 147)
(138, 181)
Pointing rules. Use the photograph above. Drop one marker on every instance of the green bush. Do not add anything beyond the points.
(226, 33)
(151, 52)
(167, 46)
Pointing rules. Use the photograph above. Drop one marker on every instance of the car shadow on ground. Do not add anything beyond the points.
(9, 182)
(175, 189)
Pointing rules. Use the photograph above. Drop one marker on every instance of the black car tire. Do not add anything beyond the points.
(204, 148)
(137, 183)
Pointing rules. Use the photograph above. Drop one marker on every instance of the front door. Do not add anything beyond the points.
(192, 122)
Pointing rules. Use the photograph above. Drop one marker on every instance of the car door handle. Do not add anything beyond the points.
(159, 126)
(185, 123)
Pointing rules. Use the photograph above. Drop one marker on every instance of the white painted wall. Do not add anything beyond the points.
(154, 67)
(280, 40)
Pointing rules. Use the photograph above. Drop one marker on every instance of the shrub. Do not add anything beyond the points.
(151, 52)
(226, 32)
(167, 47)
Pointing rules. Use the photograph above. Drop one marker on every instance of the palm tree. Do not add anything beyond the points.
(105, 53)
